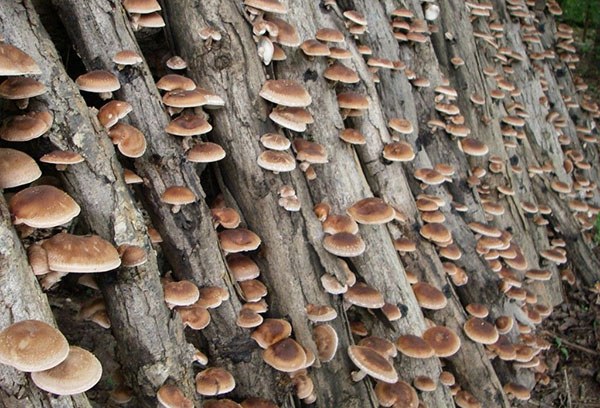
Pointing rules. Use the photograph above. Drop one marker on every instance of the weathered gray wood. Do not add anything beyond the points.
(151, 347)
(21, 299)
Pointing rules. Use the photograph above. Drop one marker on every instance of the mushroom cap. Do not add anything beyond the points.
(398, 394)
(464, 399)
(271, 331)
(485, 230)
(182, 293)
(371, 210)
(276, 161)
(130, 141)
(443, 340)
(205, 152)
(380, 345)
(270, 6)
(477, 310)
(14, 62)
(80, 253)
(344, 244)
(355, 17)
(17, 168)
(320, 313)
(398, 152)
(341, 73)
(473, 147)
(127, 57)
(480, 331)
(61, 157)
(191, 99)
(353, 136)
(436, 232)
(285, 355)
(287, 34)
(352, 100)
(275, 141)
(188, 125)
(242, 267)
(248, 319)
(429, 176)
(32, 345)
(98, 81)
(373, 363)
(339, 53)
(214, 381)
(238, 240)
(21, 88)
(79, 372)
(424, 383)
(226, 217)
(310, 152)
(330, 35)
(110, 113)
(22, 128)
(170, 396)
(315, 48)
(194, 317)
(178, 195)
(339, 223)
(253, 290)
(174, 82)
(150, 20)
(43, 206)
(414, 346)
(428, 296)
(141, 6)
(404, 245)
(363, 295)
(519, 391)
(292, 118)
(401, 126)
(539, 274)
(285, 92)
(326, 340)
(132, 255)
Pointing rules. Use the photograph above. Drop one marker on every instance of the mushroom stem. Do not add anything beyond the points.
(175, 209)
(358, 375)
(61, 167)
(105, 95)
(22, 103)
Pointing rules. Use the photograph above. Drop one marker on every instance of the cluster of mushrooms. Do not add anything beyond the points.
(66, 370)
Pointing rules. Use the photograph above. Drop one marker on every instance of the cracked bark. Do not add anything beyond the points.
(150, 343)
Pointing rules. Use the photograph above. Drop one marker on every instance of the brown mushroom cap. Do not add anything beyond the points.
(315, 48)
(110, 113)
(188, 125)
(178, 195)
(477, 310)
(285, 355)
(80, 254)
(339, 223)
(127, 57)
(464, 399)
(519, 391)
(398, 394)
(436, 232)
(221, 403)
(248, 319)
(141, 6)
(275, 141)
(428, 296)
(340, 73)
(443, 341)
(344, 244)
(238, 240)
(98, 81)
(15, 62)
(380, 345)
(473, 147)
(276, 161)
(271, 331)
(194, 317)
(398, 151)
(285, 92)
(79, 372)
(372, 210)
(310, 152)
(205, 152)
(253, 290)
(353, 136)
(32, 345)
(330, 35)
(373, 363)
(363, 295)
(132, 255)
(326, 340)
(414, 346)
(170, 396)
(17, 168)
(401, 125)
(481, 331)
(130, 141)
(61, 157)
(214, 381)
(21, 88)
(242, 267)
(424, 383)
(257, 403)
(352, 100)
(270, 6)
(182, 293)
(174, 82)
(429, 176)
(22, 128)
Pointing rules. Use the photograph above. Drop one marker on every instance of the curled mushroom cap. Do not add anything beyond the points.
(17, 168)
(170, 396)
(32, 345)
(238, 240)
(14, 62)
(285, 355)
(480, 331)
(363, 295)
(285, 92)
(373, 363)
(344, 244)
(79, 372)
(214, 381)
(372, 210)
(443, 341)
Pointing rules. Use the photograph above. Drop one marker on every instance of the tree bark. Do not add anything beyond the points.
(22, 299)
(150, 343)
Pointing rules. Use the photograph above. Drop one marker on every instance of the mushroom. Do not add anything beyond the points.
(285, 355)
(170, 396)
(17, 168)
(178, 196)
(61, 158)
(372, 363)
(43, 206)
(214, 381)
(101, 82)
(20, 89)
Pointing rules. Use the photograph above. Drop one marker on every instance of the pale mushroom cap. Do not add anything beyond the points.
(80, 254)
(443, 341)
(78, 373)
(98, 82)
(362, 295)
(205, 152)
(43, 206)
(170, 396)
(238, 240)
(32, 345)
(344, 244)
(21, 88)
(214, 381)
(178, 195)
(373, 363)
(13, 61)
(176, 63)
(141, 6)
(276, 161)
(285, 92)
(286, 355)
(17, 168)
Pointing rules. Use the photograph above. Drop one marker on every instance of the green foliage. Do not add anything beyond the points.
(562, 349)
(597, 234)
(575, 11)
